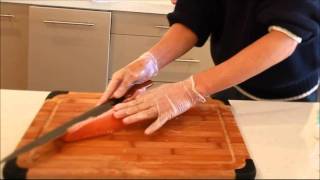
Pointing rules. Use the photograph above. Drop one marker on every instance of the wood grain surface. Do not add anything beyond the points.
(204, 142)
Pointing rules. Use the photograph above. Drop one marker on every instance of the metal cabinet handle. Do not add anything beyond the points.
(188, 60)
(162, 27)
(7, 15)
(69, 23)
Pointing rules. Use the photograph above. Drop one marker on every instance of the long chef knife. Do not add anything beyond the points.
(59, 131)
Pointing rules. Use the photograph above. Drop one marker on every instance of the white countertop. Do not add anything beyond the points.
(273, 131)
(143, 6)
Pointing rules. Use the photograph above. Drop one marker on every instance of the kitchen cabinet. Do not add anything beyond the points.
(51, 48)
(139, 24)
(125, 48)
(134, 33)
(14, 45)
(68, 49)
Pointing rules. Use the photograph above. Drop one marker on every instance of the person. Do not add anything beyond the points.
(265, 49)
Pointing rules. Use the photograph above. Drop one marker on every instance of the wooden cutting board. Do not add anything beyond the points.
(204, 142)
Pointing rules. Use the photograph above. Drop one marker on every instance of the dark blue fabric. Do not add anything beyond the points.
(235, 24)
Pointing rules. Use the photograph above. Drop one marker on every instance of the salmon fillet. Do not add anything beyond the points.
(103, 124)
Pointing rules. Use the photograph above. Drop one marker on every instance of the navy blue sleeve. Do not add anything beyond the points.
(301, 17)
(195, 15)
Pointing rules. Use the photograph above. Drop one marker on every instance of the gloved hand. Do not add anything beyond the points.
(140, 70)
(162, 103)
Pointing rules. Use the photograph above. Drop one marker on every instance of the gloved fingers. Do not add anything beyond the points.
(124, 86)
(157, 124)
(138, 71)
(145, 96)
(112, 86)
(136, 94)
(150, 113)
(126, 105)
(130, 108)
(123, 106)
(173, 100)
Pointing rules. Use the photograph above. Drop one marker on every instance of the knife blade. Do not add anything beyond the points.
(59, 131)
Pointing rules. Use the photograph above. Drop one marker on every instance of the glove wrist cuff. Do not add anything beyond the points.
(200, 97)
(152, 62)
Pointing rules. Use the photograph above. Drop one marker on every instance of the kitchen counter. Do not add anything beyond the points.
(142, 6)
(279, 137)
(273, 131)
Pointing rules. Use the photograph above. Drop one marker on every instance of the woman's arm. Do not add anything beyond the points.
(267, 51)
(177, 41)
(170, 100)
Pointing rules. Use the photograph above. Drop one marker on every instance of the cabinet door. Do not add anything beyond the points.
(125, 48)
(14, 47)
(68, 49)
(143, 24)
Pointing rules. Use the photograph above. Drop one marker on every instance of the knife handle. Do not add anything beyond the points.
(132, 90)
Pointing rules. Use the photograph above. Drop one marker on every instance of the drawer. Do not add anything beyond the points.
(14, 45)
(70, 18)
(68, 49)
(139, 24)
(125, 49)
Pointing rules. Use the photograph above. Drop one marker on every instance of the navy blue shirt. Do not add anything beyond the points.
(235, 24)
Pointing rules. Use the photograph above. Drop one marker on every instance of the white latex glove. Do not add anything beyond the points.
(162, 103)
(140, 70)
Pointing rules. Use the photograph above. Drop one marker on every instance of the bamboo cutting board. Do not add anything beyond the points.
(204, 142)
